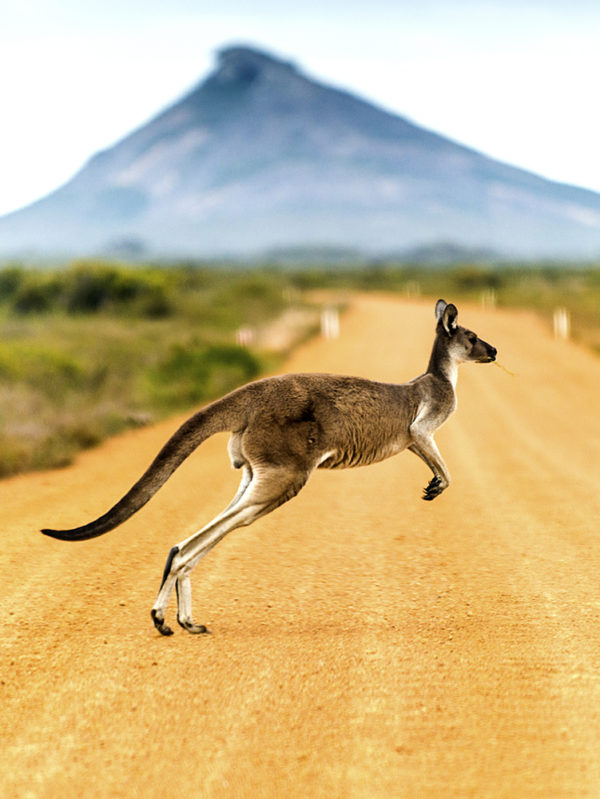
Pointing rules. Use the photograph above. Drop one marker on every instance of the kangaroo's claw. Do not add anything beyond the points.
(160, 625)
(433, 489)
(191, 627)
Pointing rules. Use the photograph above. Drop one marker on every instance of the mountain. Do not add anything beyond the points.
(260, 157)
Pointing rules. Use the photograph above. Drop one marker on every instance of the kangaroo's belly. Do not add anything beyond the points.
(347, 457)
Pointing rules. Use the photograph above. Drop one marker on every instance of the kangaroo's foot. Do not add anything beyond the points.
(191, 627)
(159, 623)
(433, 489)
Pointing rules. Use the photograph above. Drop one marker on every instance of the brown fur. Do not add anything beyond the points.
(285, 427)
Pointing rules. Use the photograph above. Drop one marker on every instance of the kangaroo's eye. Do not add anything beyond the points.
(472, 339)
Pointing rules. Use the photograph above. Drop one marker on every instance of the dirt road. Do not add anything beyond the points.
(364, 643)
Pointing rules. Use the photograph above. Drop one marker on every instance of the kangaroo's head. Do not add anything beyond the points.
(460, 343)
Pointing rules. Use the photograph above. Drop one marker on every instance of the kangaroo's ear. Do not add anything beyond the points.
(439, 309)
(449, 316)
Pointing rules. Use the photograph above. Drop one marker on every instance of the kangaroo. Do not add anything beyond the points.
(282, 429)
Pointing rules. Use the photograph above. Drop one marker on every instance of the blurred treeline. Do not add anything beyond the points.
(539, 287)
(91, 348)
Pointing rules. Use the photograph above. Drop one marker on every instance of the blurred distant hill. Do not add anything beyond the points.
(261, 158)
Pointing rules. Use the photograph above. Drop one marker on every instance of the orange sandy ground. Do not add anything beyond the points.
(364, 643)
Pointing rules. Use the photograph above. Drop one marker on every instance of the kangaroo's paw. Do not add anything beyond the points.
(191, 627)
(433, 489)
(159, 623)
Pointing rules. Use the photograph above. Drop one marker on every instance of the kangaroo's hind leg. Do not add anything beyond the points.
(183, 585)
(267, 488)
(182, 582)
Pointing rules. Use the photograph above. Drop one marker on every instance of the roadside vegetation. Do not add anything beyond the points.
(91, 348)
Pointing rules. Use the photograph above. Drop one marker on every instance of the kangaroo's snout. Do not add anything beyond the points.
(491, 354)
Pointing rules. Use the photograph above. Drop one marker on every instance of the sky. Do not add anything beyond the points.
(514, 79)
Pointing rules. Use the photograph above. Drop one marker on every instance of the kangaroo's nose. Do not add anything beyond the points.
(493, 353)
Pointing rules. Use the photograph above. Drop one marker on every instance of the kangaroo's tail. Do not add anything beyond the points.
(215, 418)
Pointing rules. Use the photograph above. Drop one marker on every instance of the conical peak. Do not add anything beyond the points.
(243, 64)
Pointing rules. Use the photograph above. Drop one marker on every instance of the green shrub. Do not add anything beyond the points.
(36, 293)
(94, 287)
(11, 278)
(41, 367)
(475, 278)
(193, 374)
